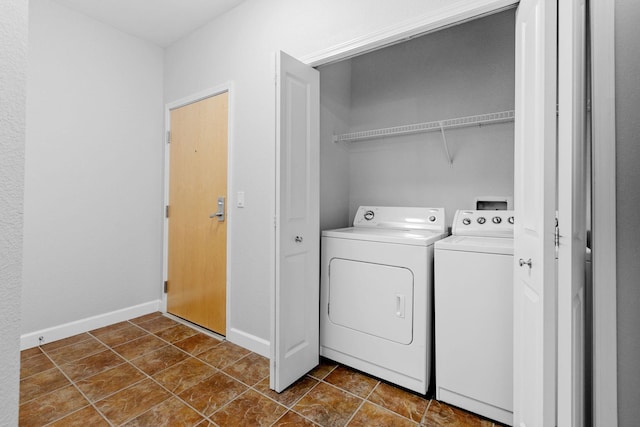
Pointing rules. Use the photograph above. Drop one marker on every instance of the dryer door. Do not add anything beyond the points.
(374, 299)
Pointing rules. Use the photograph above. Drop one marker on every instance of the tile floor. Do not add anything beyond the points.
(154, 371)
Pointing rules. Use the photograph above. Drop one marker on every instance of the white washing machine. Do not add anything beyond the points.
(473, 300)
(376, 293)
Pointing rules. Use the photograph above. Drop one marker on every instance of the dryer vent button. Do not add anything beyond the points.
(496, 220)
(466, 221)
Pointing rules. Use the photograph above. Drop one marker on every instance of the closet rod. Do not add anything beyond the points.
(482, 119)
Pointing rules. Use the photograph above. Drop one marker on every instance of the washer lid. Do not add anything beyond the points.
(490, 245)
(386, 235)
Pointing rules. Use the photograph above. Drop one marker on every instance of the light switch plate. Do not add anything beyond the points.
(240, 199)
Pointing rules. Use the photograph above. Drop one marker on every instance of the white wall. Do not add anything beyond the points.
(460, 71)
(94, 158)
(335, 110)
(240, 46)
(13, 70)
(628, 205)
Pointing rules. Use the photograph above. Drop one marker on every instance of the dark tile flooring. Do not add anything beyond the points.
(154, 371)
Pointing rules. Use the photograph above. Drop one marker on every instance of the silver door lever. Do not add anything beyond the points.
(220, 213)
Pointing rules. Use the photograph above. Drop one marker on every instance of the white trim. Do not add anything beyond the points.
(70, 329)
(605, 369)
(451, 14)
(250, 342)
(207, 93)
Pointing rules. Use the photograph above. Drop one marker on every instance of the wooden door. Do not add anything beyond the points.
(572, 211)
(295, 339)
(197, 254)
(535, 206)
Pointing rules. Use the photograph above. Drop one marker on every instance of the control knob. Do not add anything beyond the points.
(496, 220)
(511, 220)
(368, 215)
(481, 220)
(466, 221)
(432, 218)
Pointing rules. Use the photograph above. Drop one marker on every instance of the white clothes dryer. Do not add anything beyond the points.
(474, 314)
(376, 293)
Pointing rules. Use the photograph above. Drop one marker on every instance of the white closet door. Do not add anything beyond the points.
(295, 331)
(571, 211)
(534, 202)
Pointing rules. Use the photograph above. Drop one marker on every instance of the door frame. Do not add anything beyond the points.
(190, 99)
(603, 119)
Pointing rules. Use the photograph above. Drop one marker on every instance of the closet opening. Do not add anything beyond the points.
(426, 122)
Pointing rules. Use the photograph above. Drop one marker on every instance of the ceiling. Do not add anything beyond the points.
(161, 22)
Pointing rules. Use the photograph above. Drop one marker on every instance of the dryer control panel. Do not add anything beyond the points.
(483, 223)
(405, 218)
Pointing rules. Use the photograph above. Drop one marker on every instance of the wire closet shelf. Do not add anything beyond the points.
(440, 125)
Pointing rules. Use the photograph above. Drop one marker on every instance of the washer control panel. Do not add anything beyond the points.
(483, 223)
(409, 218)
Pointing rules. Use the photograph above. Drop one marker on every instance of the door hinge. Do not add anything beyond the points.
(168, 137)
(166, 286)
(556, 238)
(166, 211)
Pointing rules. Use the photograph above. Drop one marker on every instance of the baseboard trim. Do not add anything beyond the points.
(250, 342)
(54, 333)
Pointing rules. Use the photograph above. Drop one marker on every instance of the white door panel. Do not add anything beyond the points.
(571, 211)
(295, 329)
(534, 202)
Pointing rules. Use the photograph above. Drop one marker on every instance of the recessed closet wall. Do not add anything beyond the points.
(460, 71)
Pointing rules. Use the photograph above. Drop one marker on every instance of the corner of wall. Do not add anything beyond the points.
(13, 69)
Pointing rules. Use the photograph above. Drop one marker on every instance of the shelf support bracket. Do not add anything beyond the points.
(446, 146)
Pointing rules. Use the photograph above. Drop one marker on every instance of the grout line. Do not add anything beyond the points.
(366, 399)
(147, 376)
(73, 383)
(300, 415)
(227, 404)
(423, 420)
(41, 347)
(269, 397)
(216, 370)
(356, 411)
(73, 412)
(280, 403)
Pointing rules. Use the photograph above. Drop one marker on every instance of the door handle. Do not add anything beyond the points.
(298, 239)
(523, 262)
(400, 305)
(220, 213)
